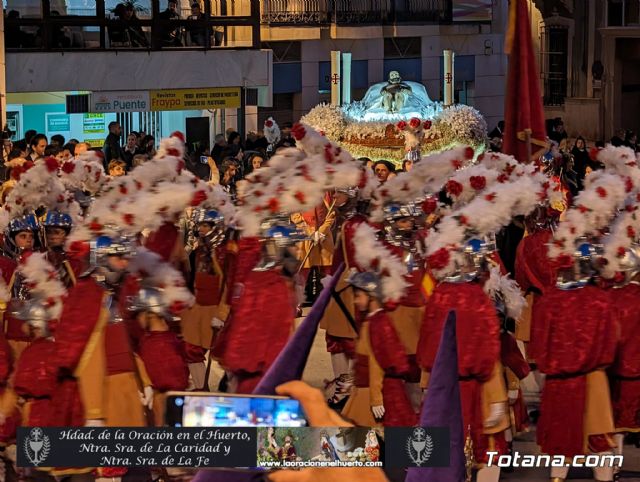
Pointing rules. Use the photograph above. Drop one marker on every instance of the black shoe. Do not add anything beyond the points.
(223, 385)
(338, 406)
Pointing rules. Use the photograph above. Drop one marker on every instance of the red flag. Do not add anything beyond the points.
(524, 115)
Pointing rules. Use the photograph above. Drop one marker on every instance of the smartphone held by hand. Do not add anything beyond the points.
(206, 409)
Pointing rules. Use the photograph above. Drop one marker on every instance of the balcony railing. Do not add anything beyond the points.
(100, 30)
(323, 12)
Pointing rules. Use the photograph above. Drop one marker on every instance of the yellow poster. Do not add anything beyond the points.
(195, 99)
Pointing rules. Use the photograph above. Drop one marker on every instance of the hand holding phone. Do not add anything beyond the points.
(206, 409)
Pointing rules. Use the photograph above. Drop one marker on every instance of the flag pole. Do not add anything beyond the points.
(527, 140)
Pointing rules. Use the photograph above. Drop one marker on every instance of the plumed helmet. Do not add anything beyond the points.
(366, 281)
(282, 231)
(211, 216)
(27, 222)
(351, 191)
(35, 314)
(110, 245)
(583, 269)
(57, 219)
(394, 211)
(150, 299)
(630, 263)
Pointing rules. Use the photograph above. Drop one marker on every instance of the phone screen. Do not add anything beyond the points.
(204, 159)
(223, 410)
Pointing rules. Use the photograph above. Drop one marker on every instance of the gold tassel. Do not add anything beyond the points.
(468, 454)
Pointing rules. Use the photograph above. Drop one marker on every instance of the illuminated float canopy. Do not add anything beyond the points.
(397, 120)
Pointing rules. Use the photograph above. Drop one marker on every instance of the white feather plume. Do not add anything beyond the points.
(592, 210)
(485, 214)
(44, 283)
(157, 273)
(499, 286)
(372, 255)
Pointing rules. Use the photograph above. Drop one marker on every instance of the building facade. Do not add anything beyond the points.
(590, 64)
(408, 36)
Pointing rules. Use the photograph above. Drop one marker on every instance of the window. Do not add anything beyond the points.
(623, 13)
(555, 60)
(282, 110)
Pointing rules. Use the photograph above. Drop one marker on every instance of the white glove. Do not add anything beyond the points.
(378, 411)
(513, 396)
(146, 398)
(216, 322)
(94, 422)
(318, 237)
(238, 289)
(496, 414)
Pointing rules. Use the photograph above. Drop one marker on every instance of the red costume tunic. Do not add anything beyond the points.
(535, 275)
(78, 354)
(164, 358)
(261, 319)
(7, 397)
(625, 372)
(408, 315)
(35, 380)
(12, 325)
(210, 279)
(478, 334)
(392, 358)
(573, 340)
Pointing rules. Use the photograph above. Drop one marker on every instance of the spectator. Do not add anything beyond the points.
(14, 159)
(407, 165)
(73, 142)
(218, 148)
(631, 140)
(199, 163)
(116, 168)
(37, 146)
(13, 34)
(383, 169)
(139, 160)
(142, 136)
(80, 148)
(285, 134)
(581, 160)
(255, 160)
(256, 142)
(130, 150)
(197, 31)
(558, 134)
(127, 32)
(366, 162)
(171, 35)
(149, 148)
(495, 137)
(68, 150)
(7, 145)
(111, 148)
(57, 140)
(54, 151)
(618, 139)
(233, 143)
(228, 172)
